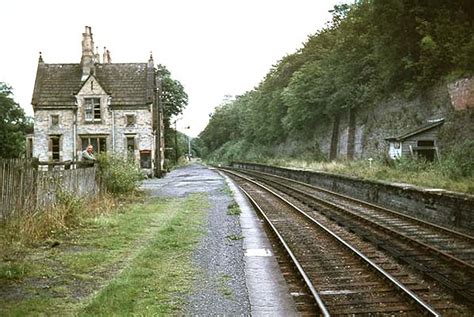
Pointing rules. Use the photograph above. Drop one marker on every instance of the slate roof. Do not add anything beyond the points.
(129, 84)
(416, 131)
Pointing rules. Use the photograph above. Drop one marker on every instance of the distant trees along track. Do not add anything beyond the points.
(334, 242)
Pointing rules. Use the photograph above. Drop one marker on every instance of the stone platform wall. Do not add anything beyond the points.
(448, 209)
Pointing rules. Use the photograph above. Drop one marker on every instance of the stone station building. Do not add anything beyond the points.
(113, 106)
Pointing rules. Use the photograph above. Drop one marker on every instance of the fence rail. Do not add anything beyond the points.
(24, 188)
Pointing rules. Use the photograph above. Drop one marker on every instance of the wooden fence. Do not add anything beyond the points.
(23, 188)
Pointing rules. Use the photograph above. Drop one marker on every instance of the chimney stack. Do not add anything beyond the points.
(106, 56)
(97, 55)
(151, 64)
(87, 59)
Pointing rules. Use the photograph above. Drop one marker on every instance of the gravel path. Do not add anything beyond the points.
(220, 289)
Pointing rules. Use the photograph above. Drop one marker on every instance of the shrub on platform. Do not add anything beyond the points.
(119, 175)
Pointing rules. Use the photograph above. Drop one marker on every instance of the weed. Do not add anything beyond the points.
(226, 190)
(223, 280)
(233, 209)
(31, 228)
(234, 237)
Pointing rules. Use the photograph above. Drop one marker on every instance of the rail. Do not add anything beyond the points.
(412, 296)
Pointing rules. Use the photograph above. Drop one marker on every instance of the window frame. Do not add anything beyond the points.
(130, 142)
(98, 141)
(92, 110)
(146, 159)
(55, 153)
(132, 122)
(54, 120)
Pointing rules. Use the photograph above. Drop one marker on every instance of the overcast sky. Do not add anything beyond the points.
(213, 47)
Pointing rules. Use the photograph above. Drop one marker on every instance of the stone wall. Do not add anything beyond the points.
(43, 128)
(445, 208)
(373, 123)
(142, 131)
(114, 128)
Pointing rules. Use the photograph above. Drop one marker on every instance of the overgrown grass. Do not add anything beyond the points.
(455, 171)
(132, 262)
(31, 228)
(419, 173)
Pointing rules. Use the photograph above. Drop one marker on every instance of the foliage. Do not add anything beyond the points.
(14, 125)
(233, 209)
(173, 99)
(119, 175)
(370, 49)
(458, 163)
(172, 94)
(182, 148)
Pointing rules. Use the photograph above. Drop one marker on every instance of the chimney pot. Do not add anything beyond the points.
(88, 57)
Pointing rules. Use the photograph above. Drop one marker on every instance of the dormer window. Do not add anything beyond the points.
(92, 110)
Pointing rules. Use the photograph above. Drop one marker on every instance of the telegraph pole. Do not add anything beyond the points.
(176, 139)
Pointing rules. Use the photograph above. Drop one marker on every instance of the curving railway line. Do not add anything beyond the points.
(343, 280)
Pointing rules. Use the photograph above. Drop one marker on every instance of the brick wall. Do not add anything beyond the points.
(461, 93)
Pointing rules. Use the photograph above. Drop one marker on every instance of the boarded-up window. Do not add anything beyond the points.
(131, 146)
(54, 120)
(98, 142)
(426, 150)
(92, 110)
(425, 143)
(55, 147)
(129, 120)
(145, 159)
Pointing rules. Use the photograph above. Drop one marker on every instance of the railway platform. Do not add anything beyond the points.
(268, 292)
(240, 274)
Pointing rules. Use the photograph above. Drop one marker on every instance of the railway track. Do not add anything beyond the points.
(440, 253)
(340, 279)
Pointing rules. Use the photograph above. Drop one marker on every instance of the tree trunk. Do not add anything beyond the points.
(334, 138)
(351, 134)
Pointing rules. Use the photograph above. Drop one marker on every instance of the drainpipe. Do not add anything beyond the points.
(74, 136)
(109, 101)
(113, 131)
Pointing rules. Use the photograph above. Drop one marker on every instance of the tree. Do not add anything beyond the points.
(174, 99)
(14, 125)
(370, 50)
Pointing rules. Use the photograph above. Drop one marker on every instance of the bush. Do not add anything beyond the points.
(408, 164)
(458, 163)
(119, 175)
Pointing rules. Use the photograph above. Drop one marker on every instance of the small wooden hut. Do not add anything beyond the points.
(417, 143)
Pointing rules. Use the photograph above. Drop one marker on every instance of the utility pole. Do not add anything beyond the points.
(176, 139)
(189, 143)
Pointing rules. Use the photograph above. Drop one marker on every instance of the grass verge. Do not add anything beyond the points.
(132, 262)
(433, 175)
